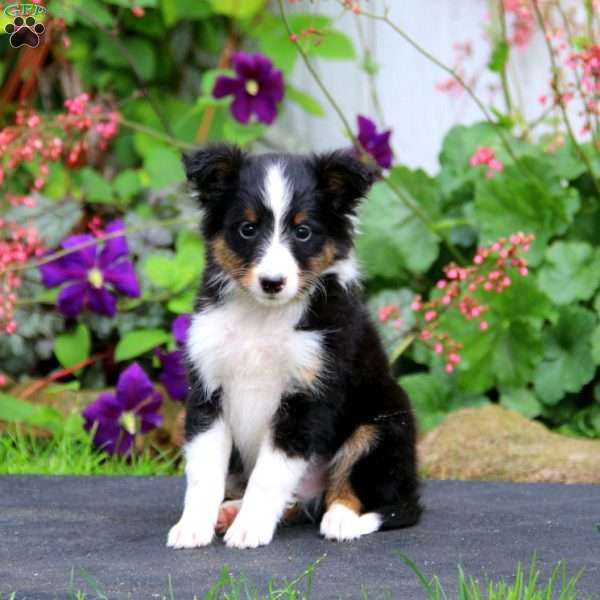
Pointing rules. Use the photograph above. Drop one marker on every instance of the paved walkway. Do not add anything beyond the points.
(115, 528)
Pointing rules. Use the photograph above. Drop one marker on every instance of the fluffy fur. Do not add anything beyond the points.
(292, 407)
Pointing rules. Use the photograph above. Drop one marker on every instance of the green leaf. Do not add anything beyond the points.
(73, 346)
(178, 272)
(434, 396)
(499, 57)
(127, 184)
(239, 9)
(332, 45)
(308, 103)
(143, 56)
(184, 302)
(393, 238)
(242, 133)
(523, 401)
(301, 21)
(276, 44)
(595, 341)
(140, 52)
(526, 198)
(15, 410)
(128, 3)
(571, 272)
(140, 341)
(189, 246)
(163, 166)
(176, 10)
(92, 13)
(95, 187)
(160, 271)
(568, 364)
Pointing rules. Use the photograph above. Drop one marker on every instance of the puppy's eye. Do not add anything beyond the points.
(302, 233)
(248, 230)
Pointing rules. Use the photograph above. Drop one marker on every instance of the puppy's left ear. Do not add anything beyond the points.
(343, 179)
(213, 170)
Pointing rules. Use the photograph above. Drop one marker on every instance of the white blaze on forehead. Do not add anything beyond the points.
(277, 193)
(277, 259)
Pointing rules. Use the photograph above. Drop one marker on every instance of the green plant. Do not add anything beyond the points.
(526, 586)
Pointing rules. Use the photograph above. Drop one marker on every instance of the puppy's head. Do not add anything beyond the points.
(275, 223)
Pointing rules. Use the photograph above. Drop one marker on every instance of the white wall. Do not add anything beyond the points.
(418, 114)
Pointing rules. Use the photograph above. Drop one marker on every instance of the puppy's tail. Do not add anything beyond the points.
(392, 516)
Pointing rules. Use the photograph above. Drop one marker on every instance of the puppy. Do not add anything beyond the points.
(291, 403)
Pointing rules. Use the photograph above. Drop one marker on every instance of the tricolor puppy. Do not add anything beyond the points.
(292, 403)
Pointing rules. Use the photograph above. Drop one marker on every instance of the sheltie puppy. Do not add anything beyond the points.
(292, 404)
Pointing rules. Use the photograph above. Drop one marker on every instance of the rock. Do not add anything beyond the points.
(493, 443)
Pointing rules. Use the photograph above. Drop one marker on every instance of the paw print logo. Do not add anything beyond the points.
(24, 32)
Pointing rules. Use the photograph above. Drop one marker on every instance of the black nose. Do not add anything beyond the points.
(272, 285)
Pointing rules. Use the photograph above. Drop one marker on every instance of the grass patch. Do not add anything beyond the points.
(70, 452)
(525, 585)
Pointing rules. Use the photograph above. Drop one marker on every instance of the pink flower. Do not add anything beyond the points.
(385, 312)
(484, 155)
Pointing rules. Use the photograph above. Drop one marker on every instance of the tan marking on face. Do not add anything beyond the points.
(247, 278)
(322, 261)
(251, 215)
(226, 258)
(354, 448)
(300, 218)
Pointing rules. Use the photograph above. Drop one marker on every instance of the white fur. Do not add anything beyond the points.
(340, 523)
(207, 459)
(270, 489)
(277, 260)
(346, 269)
(255, 355)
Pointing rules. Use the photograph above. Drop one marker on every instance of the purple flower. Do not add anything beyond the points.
(180, 328)
(131, 410)
(376, 144)
(174, 373)
(92, 276)
(257, 88)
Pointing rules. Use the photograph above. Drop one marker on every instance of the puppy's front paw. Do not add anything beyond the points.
(250, 530)
(341, 524)
(190, 533)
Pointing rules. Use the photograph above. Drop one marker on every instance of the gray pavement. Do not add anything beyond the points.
(114, 529)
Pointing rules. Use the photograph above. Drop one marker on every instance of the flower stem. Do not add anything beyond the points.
(503, 74)
(402, 347)
(560, 100)
(66, 251)
(317, 78)
(155, 134)
(40, 384)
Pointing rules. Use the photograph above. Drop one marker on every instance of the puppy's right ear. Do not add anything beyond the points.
(213, 170)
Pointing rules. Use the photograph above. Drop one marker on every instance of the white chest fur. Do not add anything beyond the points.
(255, 355)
